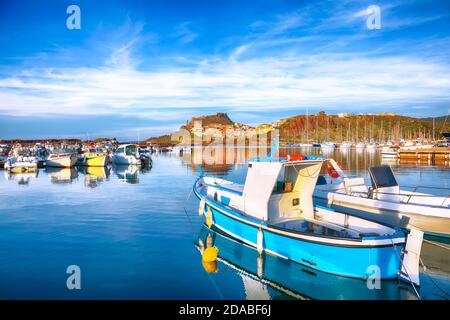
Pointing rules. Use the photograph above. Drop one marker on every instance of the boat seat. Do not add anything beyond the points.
(356, 186)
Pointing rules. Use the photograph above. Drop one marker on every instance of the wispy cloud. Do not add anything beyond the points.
(329, 80)
(184, 34)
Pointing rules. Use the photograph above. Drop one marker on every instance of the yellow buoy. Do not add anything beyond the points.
(210, 254)
(210, 267)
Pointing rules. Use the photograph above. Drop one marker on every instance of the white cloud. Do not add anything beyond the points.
(330, 80)
(184, 34)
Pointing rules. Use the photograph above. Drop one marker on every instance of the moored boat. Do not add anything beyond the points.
(273, 211)
(21, 164)
(128, 154)
(384, 201)
(95, 157)
(61, 160)
(345, 145)
(389, 152)
(3, 159)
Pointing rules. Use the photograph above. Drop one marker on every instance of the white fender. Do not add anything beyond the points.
(411, 257)
(201, 207)
(259, 241)
(208, 218)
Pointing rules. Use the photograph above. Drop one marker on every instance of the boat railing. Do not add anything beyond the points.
(408, 195)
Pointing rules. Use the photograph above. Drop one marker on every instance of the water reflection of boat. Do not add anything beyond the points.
(285, 277)
(21, 178)
(94, 176)
(127, 173)
(61, 175)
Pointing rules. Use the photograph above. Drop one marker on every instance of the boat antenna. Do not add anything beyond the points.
(200, 170)
(445, 120)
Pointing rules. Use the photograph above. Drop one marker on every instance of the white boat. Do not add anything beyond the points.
(345, 145)
(21, 164)
(389, 152)
(328, 145)
(383, 201)
(360, 146)
(371, 146)
(3, 159)
(61, 160)
(127, 154)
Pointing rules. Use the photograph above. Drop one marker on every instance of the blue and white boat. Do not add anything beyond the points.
(273, 211)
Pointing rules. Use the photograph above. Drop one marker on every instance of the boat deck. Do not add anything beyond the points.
(319, 228)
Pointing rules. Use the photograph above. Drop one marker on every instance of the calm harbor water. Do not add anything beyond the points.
(134, 233)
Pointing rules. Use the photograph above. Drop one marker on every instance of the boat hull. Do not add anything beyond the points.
(97, 161)
(62, 162)
(377, 211)
(345, 258)
(125, 160)
(298, 282)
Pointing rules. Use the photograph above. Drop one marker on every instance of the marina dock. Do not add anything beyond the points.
(431, 155)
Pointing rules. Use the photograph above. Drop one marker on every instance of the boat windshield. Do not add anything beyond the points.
(382, 177)
(130, 150)
(120, 150)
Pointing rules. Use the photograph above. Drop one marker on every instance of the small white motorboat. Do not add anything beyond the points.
(328, 145)
(61, 160)
(345, 145)
(383, 201)
(3, 159)
(128, 154)
(360, 146)
(21, 164)
(389, 152)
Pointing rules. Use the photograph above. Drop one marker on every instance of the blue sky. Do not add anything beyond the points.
(142, 68)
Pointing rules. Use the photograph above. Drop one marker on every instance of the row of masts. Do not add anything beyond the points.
(369, 135)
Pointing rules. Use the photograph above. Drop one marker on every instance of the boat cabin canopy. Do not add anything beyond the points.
(128, 149)
(275, 190)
